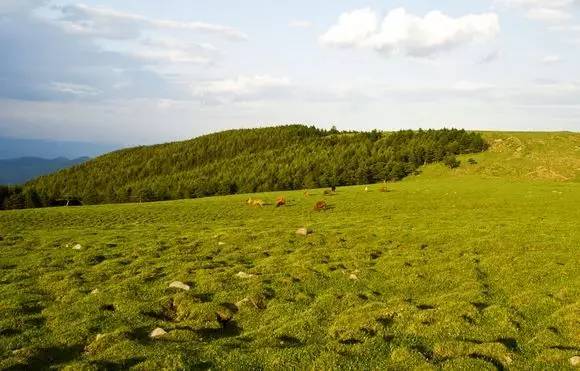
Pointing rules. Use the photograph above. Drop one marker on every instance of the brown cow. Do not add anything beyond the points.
(280, 201)
(320, 206)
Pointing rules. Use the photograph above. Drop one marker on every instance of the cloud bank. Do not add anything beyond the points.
(403, 33)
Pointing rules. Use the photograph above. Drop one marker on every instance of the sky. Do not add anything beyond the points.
(145, 71)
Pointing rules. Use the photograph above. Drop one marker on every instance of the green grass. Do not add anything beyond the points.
(455, 269)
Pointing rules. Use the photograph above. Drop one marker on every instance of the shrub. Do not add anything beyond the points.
(451, 161)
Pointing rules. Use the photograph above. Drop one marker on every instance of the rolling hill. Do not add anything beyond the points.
(475, 267)
(253, 160)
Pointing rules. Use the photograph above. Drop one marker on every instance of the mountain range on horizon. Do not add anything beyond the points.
(16, 148)
(20, 170)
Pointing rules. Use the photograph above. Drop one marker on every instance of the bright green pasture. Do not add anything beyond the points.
(452, 272)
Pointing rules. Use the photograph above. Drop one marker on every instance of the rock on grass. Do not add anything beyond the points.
(158, 332)
(244, 275)
(179, 285)
(304, 231)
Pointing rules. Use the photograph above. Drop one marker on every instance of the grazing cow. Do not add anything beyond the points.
(253, 202)
(333, 188)
(320, 206)
(306, 193)
(327, 192)
(366, 189)
(280, 201)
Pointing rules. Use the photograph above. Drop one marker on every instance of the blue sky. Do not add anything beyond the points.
(145, 71)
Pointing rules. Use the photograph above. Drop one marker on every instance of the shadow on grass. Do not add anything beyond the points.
(117, 366)
(286, 341)
(498, 365)
(229, 329)
(46, 358)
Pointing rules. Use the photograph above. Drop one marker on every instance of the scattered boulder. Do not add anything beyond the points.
(304, 231)
(95, 291)
(158, 332)
(353, 277)
(77, 246)
(179, 285)
(575, 361)
(244, 275)
(221, 243)
(99, 337)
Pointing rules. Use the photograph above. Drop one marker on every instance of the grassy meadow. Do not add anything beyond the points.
(472, 268)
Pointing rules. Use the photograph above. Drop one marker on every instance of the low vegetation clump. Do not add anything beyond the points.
(246, 161)
(451, 161)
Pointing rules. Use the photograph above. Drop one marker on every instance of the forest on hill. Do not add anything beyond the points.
(245, 161)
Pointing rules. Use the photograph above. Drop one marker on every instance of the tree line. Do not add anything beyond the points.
(245, 161)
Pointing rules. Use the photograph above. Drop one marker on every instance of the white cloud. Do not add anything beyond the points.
(168, 50)
(548, 15)
(110, 23)
(74, 89)
(403, 33)
(239, 88)
(352, 29)
(300, 24)
(551, 59)
(548, 11)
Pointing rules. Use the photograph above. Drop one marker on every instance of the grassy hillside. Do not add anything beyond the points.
(469, 268)
(525, 156)
(251, 160)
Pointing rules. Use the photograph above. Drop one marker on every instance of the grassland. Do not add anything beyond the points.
(472, 268)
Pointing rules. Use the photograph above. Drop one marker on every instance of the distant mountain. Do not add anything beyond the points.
(11, 148)
(21, 170)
